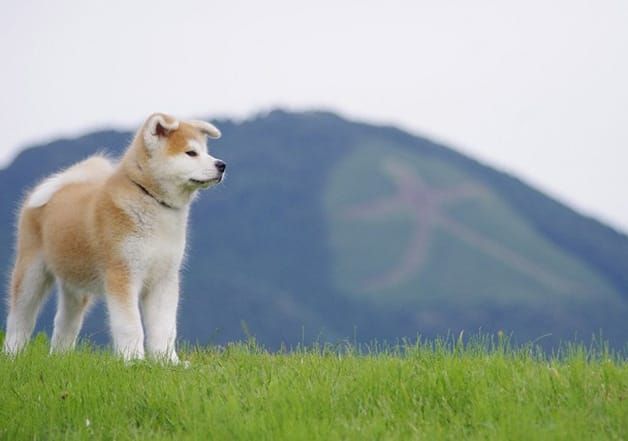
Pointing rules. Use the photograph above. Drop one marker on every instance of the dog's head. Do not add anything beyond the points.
(176, 152)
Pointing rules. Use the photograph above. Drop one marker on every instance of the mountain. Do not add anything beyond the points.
(329, 229)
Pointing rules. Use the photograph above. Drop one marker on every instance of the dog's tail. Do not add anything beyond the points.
(94, 168)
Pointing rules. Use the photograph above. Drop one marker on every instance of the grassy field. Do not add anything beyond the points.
(430, 390)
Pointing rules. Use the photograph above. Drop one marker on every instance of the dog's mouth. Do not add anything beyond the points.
(207, 182)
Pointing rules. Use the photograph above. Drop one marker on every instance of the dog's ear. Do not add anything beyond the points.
(207, 128)
(157, 128)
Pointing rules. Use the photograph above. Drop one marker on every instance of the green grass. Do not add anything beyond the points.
(429, 390)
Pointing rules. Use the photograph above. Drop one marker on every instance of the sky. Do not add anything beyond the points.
(537, 88)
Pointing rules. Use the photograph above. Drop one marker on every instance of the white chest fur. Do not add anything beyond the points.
(157, 246)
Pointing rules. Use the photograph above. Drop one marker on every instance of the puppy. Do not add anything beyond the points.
(116, 230)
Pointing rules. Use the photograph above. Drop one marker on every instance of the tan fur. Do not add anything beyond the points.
(179, 138)
(28, 244)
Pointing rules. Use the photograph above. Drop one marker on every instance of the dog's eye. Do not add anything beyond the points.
(191, 153)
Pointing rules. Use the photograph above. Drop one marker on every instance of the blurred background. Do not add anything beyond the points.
(395, 168)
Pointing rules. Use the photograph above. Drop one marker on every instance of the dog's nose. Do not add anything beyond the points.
(221, 166)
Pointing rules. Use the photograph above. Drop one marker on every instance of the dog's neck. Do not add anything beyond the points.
(149, 194)
(134, 167)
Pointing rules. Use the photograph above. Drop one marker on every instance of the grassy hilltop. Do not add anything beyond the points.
(437, 390)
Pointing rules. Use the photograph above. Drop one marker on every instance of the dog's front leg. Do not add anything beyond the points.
(159, 307)
(124, 314)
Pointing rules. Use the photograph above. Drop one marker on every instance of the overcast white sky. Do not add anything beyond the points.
(536, 87)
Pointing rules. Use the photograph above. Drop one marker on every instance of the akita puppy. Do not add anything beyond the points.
(116, 230)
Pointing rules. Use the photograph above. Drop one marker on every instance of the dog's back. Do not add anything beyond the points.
(93, 169)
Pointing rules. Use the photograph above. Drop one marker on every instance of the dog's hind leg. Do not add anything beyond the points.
(71, 308)
(30, 283)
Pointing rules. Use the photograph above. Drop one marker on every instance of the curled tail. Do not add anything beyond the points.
(94, 168)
